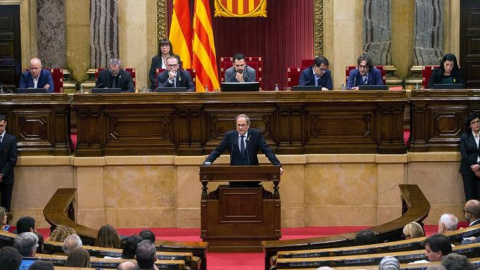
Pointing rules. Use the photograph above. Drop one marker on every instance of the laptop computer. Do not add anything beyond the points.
(306, 88)
(106, 90)
(171, 89)
(240, 86)
(448, 86)
(31, 90)
(372, 87)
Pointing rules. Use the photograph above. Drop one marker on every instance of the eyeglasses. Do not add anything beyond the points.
(475, 122)
(321, 69)
(466, 211)
(174, 65)
(364, 67)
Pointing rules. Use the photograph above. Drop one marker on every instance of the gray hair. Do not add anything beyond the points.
(389, 263)
(26, 243)
(71, 242)
(450, 221)
(244, 116)
(115, 62)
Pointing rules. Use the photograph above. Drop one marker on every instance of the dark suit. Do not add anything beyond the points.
(307, 78)
(124, 80)
(249, 74)
(26, 80)
(254, 141)
(183, 79)
(437, 77)
(355, 78)
(8, 160)
(469, 153)
(157, 62)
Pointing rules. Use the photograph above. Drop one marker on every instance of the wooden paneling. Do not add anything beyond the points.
(470, 42)
(10, 50)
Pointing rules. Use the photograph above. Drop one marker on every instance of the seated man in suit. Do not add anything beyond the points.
(37, 77)
(115, 77)
(243, 144)
(317, 74)
(364, 74)
(174, 77)
(240, 72)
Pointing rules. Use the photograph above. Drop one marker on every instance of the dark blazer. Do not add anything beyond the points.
(8, 158)
(469, 153)
(26, 80)
(307, 78)
(249, 74)
(437, 77)
(254, 141)
(156, 63)
(184, 79)
(125, 81)
(355, 78)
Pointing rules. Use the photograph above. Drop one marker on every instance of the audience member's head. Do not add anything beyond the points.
(389, 263)
(108, 237)
(26, 243)
(146, 255)
(41, 240)
(42, 265)
(413, 230)
(79, 257)
(60, 233)
(71, 242)
(3, 217)
(25, 224)
(365, 237)
(472, 210)
(447, 222)
(437, 246)
(454, 261)
(436, 267)
(130, 246)
(324, 268)
(147, 235)
(10, 258)
(128, 266)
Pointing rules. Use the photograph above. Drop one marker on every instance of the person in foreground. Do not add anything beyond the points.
(175, 77)
(146, 255)
(115, 77)
(447, 73)
(240, 72)
(364, 74)
(389, 263)
(243, 145)
(8, 160)
(37, 77)
(165, 49)
(317, 74)
(437, 246)
(469, 152)
(456, 261)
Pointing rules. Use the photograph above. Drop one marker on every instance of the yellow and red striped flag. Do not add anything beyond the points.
(181, 32)
(204, 55)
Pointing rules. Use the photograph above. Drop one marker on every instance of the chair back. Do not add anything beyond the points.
(426, 74)
(129, 70)
(307, 62)
(253, 62)
(293, 75)
(381, 68)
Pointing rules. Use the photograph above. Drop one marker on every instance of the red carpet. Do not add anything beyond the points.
(253, 261)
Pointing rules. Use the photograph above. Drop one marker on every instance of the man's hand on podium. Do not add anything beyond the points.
(281, 170)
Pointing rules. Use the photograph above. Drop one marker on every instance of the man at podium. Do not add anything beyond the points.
(243, 144)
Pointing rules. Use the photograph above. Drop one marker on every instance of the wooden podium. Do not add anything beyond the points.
(236, 218)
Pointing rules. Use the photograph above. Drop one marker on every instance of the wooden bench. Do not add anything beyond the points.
(471, 251)
(60, 211)
(415, 207)
(60, 260)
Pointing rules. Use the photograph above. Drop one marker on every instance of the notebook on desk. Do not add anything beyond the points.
(372, 87)
(31, 90)
(240, 86)
(171, 89)
(106, 90)
(448, 86)
(306, 88)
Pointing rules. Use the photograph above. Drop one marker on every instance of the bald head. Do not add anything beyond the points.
(472, 210)
(35, 67)
(128, 266)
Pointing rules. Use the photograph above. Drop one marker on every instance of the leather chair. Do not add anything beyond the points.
(293, 75)
(426, 74)
(253, 62)
(129, 70)
(307, 62)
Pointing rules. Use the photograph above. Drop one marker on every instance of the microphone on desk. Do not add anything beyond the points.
(233, 76)
(305, 83)
(100, 84)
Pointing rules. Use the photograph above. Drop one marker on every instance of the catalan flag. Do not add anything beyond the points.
(181, 32)
(204, 55)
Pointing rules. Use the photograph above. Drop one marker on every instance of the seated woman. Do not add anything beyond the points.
(60, 233)
(78, 258)
(413, 230)
(3, 220)
(447, 73)
(108, 237)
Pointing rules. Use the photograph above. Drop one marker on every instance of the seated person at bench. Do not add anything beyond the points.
(240, 72)
(436, 247)
(37, 77)
(115, 77)
(364, 74)
(413, 230)
(243, 144)
(175, 77)
(317, 74)
(447, 222)
(447, 73)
